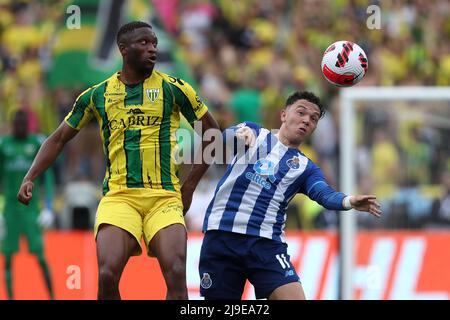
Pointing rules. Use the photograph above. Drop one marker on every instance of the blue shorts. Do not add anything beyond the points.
(228, 259)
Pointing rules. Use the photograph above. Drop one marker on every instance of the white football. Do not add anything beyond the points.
(344, 63)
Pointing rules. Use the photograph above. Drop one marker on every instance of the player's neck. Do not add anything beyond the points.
(285, 141)
(130, 76)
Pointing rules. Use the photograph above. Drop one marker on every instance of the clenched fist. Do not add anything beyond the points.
(246, 134)
(25, 192)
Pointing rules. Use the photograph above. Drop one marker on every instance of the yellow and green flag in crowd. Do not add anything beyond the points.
(85, 56)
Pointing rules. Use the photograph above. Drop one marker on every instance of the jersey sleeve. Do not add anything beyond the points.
(191, 106)
(82, 110)
(317, 189)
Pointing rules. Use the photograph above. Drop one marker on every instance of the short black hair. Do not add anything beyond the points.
(131, 26)
(308, 96)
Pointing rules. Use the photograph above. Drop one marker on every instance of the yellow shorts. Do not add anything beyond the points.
(140, 211)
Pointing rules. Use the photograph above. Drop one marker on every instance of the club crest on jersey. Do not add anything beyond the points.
(152, 94)
(206, 281)
(293, 163)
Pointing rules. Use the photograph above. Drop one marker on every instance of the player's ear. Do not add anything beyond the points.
(283, 115)
(122, 48)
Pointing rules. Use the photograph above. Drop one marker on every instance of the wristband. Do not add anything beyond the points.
(346, 203)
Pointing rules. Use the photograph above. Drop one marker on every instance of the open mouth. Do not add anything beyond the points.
(302, 130)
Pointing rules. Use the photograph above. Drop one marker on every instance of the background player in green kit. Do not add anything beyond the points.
(17, 152)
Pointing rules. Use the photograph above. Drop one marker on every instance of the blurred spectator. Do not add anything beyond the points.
(385, 164)
(408, 207)
(418, 157)
(246, 104)
(440, 212)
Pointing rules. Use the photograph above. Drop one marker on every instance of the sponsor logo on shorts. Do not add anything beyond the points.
(289, 273)
(173, 207)
(206, 281)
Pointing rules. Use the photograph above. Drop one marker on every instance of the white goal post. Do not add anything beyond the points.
(348, 96)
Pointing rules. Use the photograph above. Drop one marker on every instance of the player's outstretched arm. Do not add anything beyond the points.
(367, 203)
(317, 189)
(45, 157)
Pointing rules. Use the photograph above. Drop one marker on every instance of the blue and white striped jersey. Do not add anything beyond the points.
(252, 196)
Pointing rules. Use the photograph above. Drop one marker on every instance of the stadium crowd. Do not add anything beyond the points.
(246, 56)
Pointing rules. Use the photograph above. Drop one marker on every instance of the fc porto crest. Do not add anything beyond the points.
(206, 281)
(293, 163)
(152, 94)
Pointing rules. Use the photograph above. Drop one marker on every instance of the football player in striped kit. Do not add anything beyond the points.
(138, 110)
(244, 223)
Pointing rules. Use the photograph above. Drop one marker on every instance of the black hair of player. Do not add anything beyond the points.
(308, 96)
(130, 27)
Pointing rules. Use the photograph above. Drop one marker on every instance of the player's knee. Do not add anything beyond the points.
(108, 278)
(175, 277)
(177, 269)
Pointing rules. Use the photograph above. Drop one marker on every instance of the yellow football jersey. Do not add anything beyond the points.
(137, 127)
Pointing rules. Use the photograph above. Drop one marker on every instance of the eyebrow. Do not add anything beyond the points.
(313, 112)
(144, 35)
